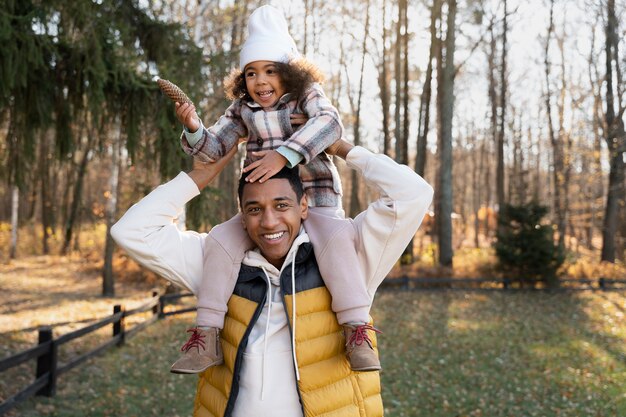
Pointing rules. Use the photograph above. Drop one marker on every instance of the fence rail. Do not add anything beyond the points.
(48, 368)
(46, 352)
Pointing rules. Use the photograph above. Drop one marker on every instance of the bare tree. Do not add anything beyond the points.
(355, 104)
(108, 280)
(500, 141)
(383, 83)
(78, 188)
(615, 137)
(557, 149)
(424, 113)
(445, 93)
(398, 80)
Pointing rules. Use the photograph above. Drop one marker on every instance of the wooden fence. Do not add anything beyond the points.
(49, 369)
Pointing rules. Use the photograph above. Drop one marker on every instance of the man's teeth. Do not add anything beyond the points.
(274, 236)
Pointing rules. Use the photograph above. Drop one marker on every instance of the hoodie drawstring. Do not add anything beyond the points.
(267, 327)
(293, 313)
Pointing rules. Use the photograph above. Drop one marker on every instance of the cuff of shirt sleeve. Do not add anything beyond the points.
(293, 157)
(193, 138)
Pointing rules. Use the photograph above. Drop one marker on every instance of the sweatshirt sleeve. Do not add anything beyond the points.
(214, 142)
(388, 224)
(323, 128)
(147, 232)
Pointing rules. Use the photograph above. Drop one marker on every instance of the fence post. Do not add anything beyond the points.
(155, 309)
(602, 283)
(505, 283)
(161, 307)
(118, 326)
(47, 363)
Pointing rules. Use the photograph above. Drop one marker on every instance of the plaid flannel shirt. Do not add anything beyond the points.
(271, 128)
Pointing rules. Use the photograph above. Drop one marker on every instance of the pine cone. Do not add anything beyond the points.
(173, 91)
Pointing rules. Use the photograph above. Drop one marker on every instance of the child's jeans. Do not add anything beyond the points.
(333, 242)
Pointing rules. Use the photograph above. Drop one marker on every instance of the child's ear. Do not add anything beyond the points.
(304, 207)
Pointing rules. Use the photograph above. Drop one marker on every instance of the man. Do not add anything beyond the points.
(283, 348)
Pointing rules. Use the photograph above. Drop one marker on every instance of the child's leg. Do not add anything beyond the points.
(333, 243)
(224, 250)
(332, 238)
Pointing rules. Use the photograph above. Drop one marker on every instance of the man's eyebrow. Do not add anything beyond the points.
(286, 197)
(281, 198)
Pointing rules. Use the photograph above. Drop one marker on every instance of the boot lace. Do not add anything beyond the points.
(359, 335)
(194, 341)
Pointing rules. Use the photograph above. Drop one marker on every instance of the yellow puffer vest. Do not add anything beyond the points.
(327, 386)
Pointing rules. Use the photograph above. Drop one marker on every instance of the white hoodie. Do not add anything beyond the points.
(267, 385)
(149, 234)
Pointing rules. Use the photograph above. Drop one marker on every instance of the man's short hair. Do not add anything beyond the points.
(290, 174)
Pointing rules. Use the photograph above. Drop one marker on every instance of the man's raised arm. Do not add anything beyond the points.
(148, 233)
(385, 228)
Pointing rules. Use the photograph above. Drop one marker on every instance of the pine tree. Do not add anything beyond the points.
(525, 247)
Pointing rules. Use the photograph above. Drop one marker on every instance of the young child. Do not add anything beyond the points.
(272, 87)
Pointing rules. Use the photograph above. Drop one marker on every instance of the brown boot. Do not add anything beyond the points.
(359, 348)
(202, 350)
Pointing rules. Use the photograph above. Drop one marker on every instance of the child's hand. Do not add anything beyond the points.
(270, 163)
(186, 114)
(298, 119)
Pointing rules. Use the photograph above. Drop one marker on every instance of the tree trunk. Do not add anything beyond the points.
(108, 280)
(565, 140)
(493, 101)
(424, 115)
(76, 197)
(616, 142)
(306, 27)
(407, 256)
(557, 150)
(355, 206)
(398, 83)
(503, 90)
(15, 205)
(403, 158)
(446, 91)
(383, 83)
(44, 175)
(597, 192)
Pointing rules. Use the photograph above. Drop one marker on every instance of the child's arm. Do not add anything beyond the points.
(210, 144)
(271, 162)
(322, 129)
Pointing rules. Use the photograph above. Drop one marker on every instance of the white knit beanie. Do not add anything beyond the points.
(268, 38)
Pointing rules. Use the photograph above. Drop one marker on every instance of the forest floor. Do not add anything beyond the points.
(449, 353)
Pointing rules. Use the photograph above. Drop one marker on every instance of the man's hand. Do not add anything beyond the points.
(340, 148)
(186, 114)
(203, 173)
(270, 163)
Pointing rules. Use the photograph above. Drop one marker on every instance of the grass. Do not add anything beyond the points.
(499, 354)
(452, 354)
(443, 353)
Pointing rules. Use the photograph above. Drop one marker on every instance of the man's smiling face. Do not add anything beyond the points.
(264, 83)
(272, 216)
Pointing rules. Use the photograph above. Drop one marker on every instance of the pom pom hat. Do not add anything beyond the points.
(268, 38)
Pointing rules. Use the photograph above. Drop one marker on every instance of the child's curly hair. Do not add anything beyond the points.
(296, 76)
